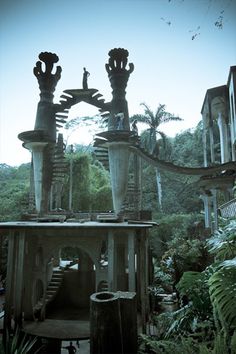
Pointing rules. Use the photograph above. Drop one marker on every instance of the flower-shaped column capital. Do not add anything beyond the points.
(46, 79)
(119, 75)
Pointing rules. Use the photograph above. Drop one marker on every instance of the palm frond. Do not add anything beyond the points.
(168, 117)
(160, 110)
(139, 117)
(222, 291)
(147, 110)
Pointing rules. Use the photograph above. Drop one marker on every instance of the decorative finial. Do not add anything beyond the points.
(47, 81)
(118, 76)
(118, 61)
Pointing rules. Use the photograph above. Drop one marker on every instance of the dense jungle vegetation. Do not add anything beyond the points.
(187, 260)
(91, 182)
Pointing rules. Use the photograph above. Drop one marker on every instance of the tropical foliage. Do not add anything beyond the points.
(153, 121)
(207, 317)
(91, 189)
(201, 269)
(180, 193)
(14, 191)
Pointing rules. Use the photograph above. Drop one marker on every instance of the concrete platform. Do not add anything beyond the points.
(64, 323)
(58, 329)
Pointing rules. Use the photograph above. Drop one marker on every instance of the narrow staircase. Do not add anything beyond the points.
(52, 289)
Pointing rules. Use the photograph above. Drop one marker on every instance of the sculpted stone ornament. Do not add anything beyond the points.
(42, 139)
(118, 76)
(45, 118)
(86, 74)
(47, 81)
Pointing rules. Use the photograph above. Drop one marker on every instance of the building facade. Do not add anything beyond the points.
(219, 139)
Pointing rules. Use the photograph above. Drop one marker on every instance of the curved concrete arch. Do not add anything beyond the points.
(74, 243)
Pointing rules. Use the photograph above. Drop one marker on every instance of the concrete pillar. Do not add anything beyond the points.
(232, 104)
(19, 275)
(121, 267)
(112, 263)
(113, 323)
(224, 139)
(85, 262)
(131, 261)
(105, 324)
(204, 140)
(142, 275)
(37, 149)
(207, 209)
(138, 182)
(119, 167)
(215, 209)
(128, 311)
(212, 144)
(10, 290)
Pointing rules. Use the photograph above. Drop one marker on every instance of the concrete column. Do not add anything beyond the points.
(19, 273)
(10, 282)
(215, 209)
(232, 104)
(138, 182)
(212, 144)
(119, 167)
(105, 324)
(85, 262)
(224, 139)
(204, 140)
(121, 268)
(112, 264)
(142, 272)
(131, 261)
(38, 163)
(207, 209)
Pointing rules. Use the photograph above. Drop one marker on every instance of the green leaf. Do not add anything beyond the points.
(194, 285)
(222, 289)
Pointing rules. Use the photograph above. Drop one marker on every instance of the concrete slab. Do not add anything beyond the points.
(58, 329)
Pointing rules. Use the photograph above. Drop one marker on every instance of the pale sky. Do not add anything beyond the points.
(170, 67)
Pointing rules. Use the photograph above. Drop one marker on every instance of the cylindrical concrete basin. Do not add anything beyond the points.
(105, 324)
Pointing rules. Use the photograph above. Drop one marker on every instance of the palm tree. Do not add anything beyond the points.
(153, 121)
